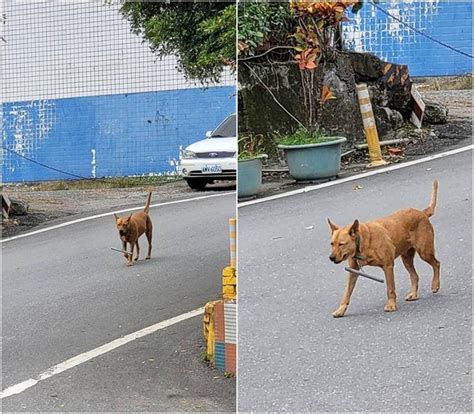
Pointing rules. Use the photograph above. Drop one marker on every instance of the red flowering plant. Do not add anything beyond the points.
(317, 39)
(318, 25)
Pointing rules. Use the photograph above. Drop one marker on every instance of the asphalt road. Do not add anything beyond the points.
(64, 292)
(294, 356)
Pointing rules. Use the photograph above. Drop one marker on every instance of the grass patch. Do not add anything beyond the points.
(205, 357)
(245, 156)
(102, 183)
(251, 146)
(304, 137)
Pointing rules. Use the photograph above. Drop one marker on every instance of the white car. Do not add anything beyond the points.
(213, 158)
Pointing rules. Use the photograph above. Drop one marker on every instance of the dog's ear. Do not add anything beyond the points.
(354, 228)
(128, 218)
(116, 217)
(332, 226)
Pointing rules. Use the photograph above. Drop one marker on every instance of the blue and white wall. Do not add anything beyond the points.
(81, 93)
(449, 21)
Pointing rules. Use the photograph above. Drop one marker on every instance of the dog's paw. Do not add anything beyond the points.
(129, 263)
(339, 313)
(411, 297)
(390, 307)
(435, 287)
(148, 258)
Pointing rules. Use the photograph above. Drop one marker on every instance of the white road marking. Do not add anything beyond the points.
(87, 356)
(356, 177)
(69, 223)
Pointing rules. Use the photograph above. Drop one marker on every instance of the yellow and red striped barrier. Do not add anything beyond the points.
(233, 242)
(220, 317)
(370, 128)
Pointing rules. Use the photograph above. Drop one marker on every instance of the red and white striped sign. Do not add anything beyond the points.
(418, 107)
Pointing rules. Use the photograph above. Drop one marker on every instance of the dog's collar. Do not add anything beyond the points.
(357, 254)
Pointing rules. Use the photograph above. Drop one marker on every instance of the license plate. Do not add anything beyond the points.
(212, 169)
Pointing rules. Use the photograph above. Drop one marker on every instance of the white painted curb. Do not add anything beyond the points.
(356, 177)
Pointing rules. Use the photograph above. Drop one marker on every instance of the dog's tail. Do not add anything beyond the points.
(147, 205)
(429, 211)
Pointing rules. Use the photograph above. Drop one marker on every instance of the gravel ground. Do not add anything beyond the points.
(458, 102)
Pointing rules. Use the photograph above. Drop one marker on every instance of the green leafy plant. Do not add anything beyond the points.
(205, 357)
(251, 147)
(201, 34)
(304, 137)
(263, 25)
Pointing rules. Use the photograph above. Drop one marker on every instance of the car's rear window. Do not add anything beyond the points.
(227, 128)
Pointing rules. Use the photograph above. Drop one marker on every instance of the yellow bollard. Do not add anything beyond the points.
(233, 242)
(208, 328)
(370, 128)
(229, 283)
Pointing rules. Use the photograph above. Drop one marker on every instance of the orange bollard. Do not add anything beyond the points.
(370, 128)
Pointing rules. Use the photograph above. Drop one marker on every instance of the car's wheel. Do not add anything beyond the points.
(197, 183)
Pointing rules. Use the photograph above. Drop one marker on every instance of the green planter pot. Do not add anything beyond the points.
(314, 161)
(249, 178)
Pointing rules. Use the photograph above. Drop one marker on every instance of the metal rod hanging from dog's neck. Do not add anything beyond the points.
(360, 273)
(121, 251)
(357, 254)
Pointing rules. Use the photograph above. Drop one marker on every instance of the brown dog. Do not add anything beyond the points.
(380, 242)
(132, 227)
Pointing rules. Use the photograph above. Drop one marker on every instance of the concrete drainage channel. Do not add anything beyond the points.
(220, 316)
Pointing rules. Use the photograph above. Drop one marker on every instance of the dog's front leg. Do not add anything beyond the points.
(391, 305)
(346, 297)
(124, 248)
(130, 257)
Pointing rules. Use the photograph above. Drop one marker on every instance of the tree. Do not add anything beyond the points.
(200, 34)
(264, 25)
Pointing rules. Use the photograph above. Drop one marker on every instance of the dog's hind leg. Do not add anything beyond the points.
(138, 250)
(430, 258)
(425, 248)
(408, 263)
(346, 297)
(435, 283)
(148, 233)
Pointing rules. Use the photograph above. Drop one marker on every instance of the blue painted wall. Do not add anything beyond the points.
(449, 21)
(112, 135)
